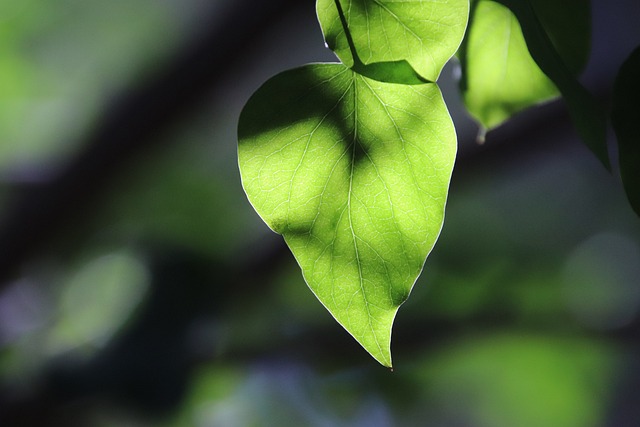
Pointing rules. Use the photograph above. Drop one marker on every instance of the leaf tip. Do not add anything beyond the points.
(481, 136)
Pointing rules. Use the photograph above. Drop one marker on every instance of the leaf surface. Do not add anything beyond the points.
(425, 33)
(625, 117)
(587, 114)
(354, 173)
(500, 77)
(572, 42)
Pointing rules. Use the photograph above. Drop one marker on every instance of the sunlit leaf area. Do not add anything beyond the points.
(359, 194)
(138, 287)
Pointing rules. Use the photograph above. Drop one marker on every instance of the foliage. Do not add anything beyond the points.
(351, 162)
(425, 34)
(526, 313)
(587, 115)
(625, 116)
(355, 180)
(353, 170)
(492, 92)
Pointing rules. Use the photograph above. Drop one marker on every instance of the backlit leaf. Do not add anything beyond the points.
(425, 33)
(586, 112)
(354, 173)
(500, 77)
(506, 70)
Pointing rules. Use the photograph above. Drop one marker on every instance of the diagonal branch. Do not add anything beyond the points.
(131, 126)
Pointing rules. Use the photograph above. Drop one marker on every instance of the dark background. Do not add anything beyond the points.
(139, 288)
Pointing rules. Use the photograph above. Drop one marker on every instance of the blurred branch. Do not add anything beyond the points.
(133, 124)
(136, 122)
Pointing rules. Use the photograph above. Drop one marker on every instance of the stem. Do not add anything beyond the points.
(352, 47)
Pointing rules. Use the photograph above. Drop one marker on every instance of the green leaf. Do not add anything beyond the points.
(424, 33)
(572, 42)
(625, 117)
(354, 173)
(400, 72)
(587, 115)
(500, 77)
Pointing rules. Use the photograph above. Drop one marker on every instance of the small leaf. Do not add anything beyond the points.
(354, 174)
(587, 115)
(500, 77)
(625, 117)
(424, 33)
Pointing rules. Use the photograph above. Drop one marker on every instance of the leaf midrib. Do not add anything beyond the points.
(351, 228)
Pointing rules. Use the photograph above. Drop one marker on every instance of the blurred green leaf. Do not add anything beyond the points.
(354, 174)
(198, 204)
(20, 80)
(209, 398)
(97, 300)
(601, 281)
(58, 62)
(507, 380)
(625, 117)
(425, 33)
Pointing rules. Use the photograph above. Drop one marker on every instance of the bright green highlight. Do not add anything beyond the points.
(425, 33)
(354, 173)
(500, 77)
